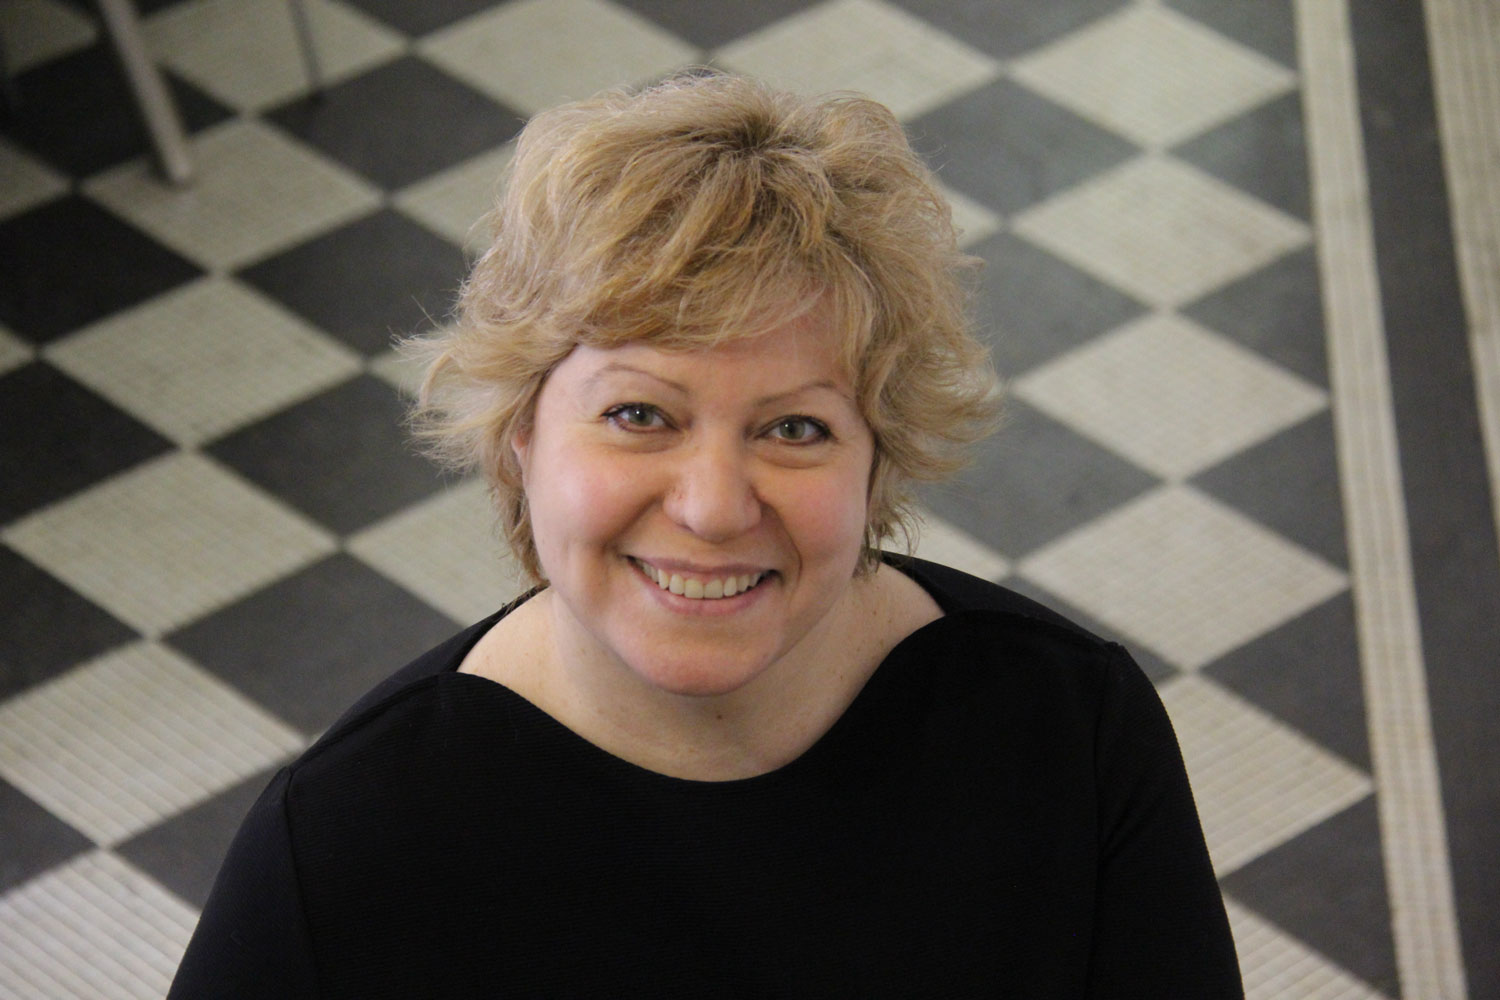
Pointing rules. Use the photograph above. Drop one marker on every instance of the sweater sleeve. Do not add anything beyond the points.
(1160, 928)
(252, 939)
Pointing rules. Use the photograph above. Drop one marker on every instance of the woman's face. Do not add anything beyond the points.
(698, 515)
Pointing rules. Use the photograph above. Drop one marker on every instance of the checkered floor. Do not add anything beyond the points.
(213, 534)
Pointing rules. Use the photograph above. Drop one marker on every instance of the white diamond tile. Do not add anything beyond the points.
(940, 542)
(1257, 783)
(168, 541)
(203, 360)
(532, 54)
(867, 46)
(450, 203)
(1161, 230)
(245, 52)
(34, 31)
(1184, 574)
(1276, 965)
(25, 181)
(447, 551)
(94, 928)
(973, 221)
(133, 737)
(1153, 75)
(255, 192)
(14, 352)
(1169, 395)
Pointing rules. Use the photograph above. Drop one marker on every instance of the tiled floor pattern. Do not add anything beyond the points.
(213, 534)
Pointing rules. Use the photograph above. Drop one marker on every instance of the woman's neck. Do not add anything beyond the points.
(545, 655)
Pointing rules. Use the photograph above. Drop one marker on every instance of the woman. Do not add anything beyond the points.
(727, 747)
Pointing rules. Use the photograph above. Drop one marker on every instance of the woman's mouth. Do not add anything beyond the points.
(699, 588)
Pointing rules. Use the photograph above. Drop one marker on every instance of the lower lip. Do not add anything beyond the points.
(705, 606)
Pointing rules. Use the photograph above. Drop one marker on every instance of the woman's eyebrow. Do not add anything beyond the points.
(821, 383)
(620, 367)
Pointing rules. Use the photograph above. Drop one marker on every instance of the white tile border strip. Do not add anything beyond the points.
(1464, 44)
(1424, 921)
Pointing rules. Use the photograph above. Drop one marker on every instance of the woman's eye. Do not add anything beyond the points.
(799, 430)
(635, 416)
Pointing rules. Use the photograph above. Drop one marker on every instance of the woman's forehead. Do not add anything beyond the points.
(799, 353)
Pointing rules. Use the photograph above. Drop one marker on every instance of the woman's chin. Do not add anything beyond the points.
(697, 678)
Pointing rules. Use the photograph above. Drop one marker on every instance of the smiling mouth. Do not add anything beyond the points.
(699, 589)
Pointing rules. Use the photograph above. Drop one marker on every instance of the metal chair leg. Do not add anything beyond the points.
(151, 96)
(305, 40)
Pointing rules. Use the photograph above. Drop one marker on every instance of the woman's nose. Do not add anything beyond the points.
(712, 493)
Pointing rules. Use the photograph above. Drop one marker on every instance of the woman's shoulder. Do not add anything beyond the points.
(441, 659)
(997, 643)
(428, 688)
(444, 658)
(958, 592)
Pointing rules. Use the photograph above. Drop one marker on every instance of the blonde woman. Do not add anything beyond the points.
(727, 746)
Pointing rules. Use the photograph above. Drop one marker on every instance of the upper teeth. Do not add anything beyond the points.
(696, 589)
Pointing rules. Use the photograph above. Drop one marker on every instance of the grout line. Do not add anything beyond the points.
(1464, 38)
(1424, 922)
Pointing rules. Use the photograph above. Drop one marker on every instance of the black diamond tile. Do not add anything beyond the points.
(1306, 673)
(1032, 306)
(56, 437)
(1327, 887)
(34, 839)
(420, 18)
(379, 276)
(1009, 28)
(341, 457)
(1033, 482)
(1276, 311)
(1266, 25)
(1263, 152)
(76, 112)
(1154, 667)
(45, 627)
(1291, 483)
(307, 646)
(184, 853)
(1008, 147)
(68, 262)
(400, 122)
(712, 25)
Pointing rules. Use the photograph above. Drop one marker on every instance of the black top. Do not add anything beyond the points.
(1002, 811)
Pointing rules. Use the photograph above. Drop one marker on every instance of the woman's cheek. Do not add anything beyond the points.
(602, 495)
(831, 513)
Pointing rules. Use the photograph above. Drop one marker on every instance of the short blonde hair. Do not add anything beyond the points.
(705, 208)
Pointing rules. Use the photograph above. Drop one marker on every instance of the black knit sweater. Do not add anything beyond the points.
(1002, 811)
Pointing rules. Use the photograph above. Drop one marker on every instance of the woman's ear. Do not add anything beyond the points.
(520, 443)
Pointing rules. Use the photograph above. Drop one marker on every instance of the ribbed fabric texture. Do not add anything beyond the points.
(1002, 811)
